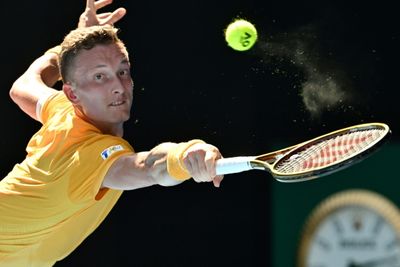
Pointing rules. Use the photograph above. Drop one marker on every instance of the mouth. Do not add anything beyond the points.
(117, 103)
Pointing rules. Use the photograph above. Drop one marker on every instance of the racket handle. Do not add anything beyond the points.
(233, 165)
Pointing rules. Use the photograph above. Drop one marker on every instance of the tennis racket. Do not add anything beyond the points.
(315, 158)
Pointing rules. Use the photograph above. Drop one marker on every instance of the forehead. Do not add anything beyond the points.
(101, 54)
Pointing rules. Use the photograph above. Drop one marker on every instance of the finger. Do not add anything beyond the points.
(103, 15)
(197, 167)
(114, 16)
(217, 180)
(90, 4)
(204, 175)
(101, 3)
(188, 165)
(209, 161)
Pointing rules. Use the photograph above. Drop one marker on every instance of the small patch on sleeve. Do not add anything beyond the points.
(110, 150)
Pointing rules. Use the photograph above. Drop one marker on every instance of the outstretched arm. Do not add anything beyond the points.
(35, 84)
(143, 169)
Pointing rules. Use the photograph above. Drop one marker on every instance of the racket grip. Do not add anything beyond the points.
(233, 165)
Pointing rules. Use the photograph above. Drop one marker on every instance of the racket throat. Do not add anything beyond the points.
(258, 166)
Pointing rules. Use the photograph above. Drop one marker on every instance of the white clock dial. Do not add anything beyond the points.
(352, 229)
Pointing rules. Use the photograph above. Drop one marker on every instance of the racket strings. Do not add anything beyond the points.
(330, 151)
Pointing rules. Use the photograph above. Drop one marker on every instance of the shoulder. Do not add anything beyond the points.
(51, 104)
(99, 149)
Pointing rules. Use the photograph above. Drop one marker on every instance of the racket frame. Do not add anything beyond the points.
(326, 169)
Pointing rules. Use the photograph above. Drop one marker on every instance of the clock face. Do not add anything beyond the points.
(354, 236)
(352, 229)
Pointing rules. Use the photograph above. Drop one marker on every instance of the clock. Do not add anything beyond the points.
(352, 228)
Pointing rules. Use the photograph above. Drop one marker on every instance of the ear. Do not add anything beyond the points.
(68, 91)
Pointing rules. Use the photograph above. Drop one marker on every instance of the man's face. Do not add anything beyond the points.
(102, 83)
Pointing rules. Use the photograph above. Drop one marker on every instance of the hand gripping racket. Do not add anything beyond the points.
(317, 157)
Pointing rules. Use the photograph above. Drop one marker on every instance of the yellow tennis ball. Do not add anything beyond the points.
(241, 35)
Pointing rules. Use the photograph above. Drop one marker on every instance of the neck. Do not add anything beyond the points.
(115, 129)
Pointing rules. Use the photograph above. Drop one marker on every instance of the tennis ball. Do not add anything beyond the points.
(241, 35)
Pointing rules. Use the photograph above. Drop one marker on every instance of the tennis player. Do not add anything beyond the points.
(78, 164)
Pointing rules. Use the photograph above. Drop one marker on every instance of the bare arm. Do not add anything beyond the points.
(139, 170)
(150, 168)
(35, 84)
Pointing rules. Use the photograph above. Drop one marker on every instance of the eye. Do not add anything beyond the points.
(124, 72)
(98, 76)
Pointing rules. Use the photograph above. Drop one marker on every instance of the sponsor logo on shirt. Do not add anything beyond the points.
(109, 151)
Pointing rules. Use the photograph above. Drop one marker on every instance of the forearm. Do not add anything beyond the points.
(157, 164)
(35, 83)
(167, 164)
(49, 71)
(43, 71)
(142, 169)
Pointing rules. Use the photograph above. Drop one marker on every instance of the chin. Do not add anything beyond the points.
(124, 117)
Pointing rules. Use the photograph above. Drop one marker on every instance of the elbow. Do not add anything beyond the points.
(167, 182)
(18, 90)
(14, 91)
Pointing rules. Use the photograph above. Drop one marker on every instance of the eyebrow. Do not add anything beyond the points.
(123, 62)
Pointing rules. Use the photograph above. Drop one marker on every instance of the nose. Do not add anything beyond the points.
(121, 85)
(117, 90)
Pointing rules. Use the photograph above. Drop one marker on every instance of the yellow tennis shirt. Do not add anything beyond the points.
(53, 200)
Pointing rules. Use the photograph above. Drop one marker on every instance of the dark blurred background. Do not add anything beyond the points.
(317, 66)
